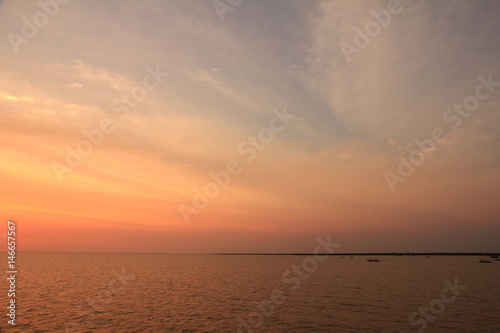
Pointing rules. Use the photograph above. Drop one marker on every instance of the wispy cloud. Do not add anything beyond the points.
(324, 173)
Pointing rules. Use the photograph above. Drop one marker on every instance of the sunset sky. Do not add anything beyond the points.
(351, 121)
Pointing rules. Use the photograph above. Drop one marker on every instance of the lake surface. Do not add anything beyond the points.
(244, 293)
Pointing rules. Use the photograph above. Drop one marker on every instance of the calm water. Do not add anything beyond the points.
(207, 293)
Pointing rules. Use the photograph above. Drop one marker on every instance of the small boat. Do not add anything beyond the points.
(428, 256)
(373, 260)
(494, 256)
(497, 259)
(485, 261)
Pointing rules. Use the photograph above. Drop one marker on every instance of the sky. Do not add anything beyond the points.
(250, 126)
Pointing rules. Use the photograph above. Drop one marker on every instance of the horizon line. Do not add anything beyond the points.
(283, 253)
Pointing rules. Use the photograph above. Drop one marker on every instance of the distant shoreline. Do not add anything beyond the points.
(367, 254)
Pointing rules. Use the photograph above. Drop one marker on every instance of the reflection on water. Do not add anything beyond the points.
(208, 293)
